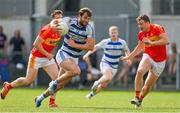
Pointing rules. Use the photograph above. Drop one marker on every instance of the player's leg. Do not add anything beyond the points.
(104, 80)
(144, 66)
(69, 65)
(30, 76)
(47, 93)
(52, 71)
(31, 73)
(102, 83)
(61, 85)
(150, 81)
(71, 69)
(154, 73)
(108, 73)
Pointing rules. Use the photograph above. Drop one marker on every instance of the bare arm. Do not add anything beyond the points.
(127, 52)
(136, 51)
(89, 45)
(164, 40)
(91, 51)
(38, 45)
(85, 57)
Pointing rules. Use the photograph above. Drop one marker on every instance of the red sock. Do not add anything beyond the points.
(52, 100)
(9, 86)
(137, 94)
(141, 97)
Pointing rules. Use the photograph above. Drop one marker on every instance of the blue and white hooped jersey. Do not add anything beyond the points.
(113, 50)
(77, 33)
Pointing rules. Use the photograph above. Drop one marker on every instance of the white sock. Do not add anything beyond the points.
(56, 82)
(92, 93)
(42, 97)
(98, 82)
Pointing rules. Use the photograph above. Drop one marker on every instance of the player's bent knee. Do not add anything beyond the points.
(76, 72)
(110, 78)
(104, 85)
(27, 82)
(140, 72)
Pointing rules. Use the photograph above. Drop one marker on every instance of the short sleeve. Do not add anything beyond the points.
(125, 47)
(101, 44)
(90, 31)
(140, 36)
(44, 32)
(159, 30)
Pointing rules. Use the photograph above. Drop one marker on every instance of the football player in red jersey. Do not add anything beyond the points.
(41, 57)
(153, 40)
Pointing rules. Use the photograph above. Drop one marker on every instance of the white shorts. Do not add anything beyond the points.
(157, 67)
(104, 66)
(39, 62)
(61, 56)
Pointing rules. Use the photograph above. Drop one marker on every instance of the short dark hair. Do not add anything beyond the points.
(85, 10)
(56, 12)
(143, 17)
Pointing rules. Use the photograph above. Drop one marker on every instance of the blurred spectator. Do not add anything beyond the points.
(3, 43)
(18, 49)
(172, 59)
(4, 73)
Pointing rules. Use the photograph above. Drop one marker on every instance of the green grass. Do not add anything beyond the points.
(22, 100)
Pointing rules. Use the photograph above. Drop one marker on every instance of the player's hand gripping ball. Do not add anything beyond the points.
(60, 26)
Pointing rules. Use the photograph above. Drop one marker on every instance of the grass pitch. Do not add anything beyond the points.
(22, 100)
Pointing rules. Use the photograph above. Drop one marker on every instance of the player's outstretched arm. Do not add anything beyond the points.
(127, 52)
(135, 52)
(85, 57)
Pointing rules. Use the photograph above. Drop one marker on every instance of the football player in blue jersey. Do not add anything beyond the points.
(114, 47)
(81, 36)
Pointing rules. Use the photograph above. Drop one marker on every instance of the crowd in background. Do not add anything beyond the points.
(17, 50)
(89, 70)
